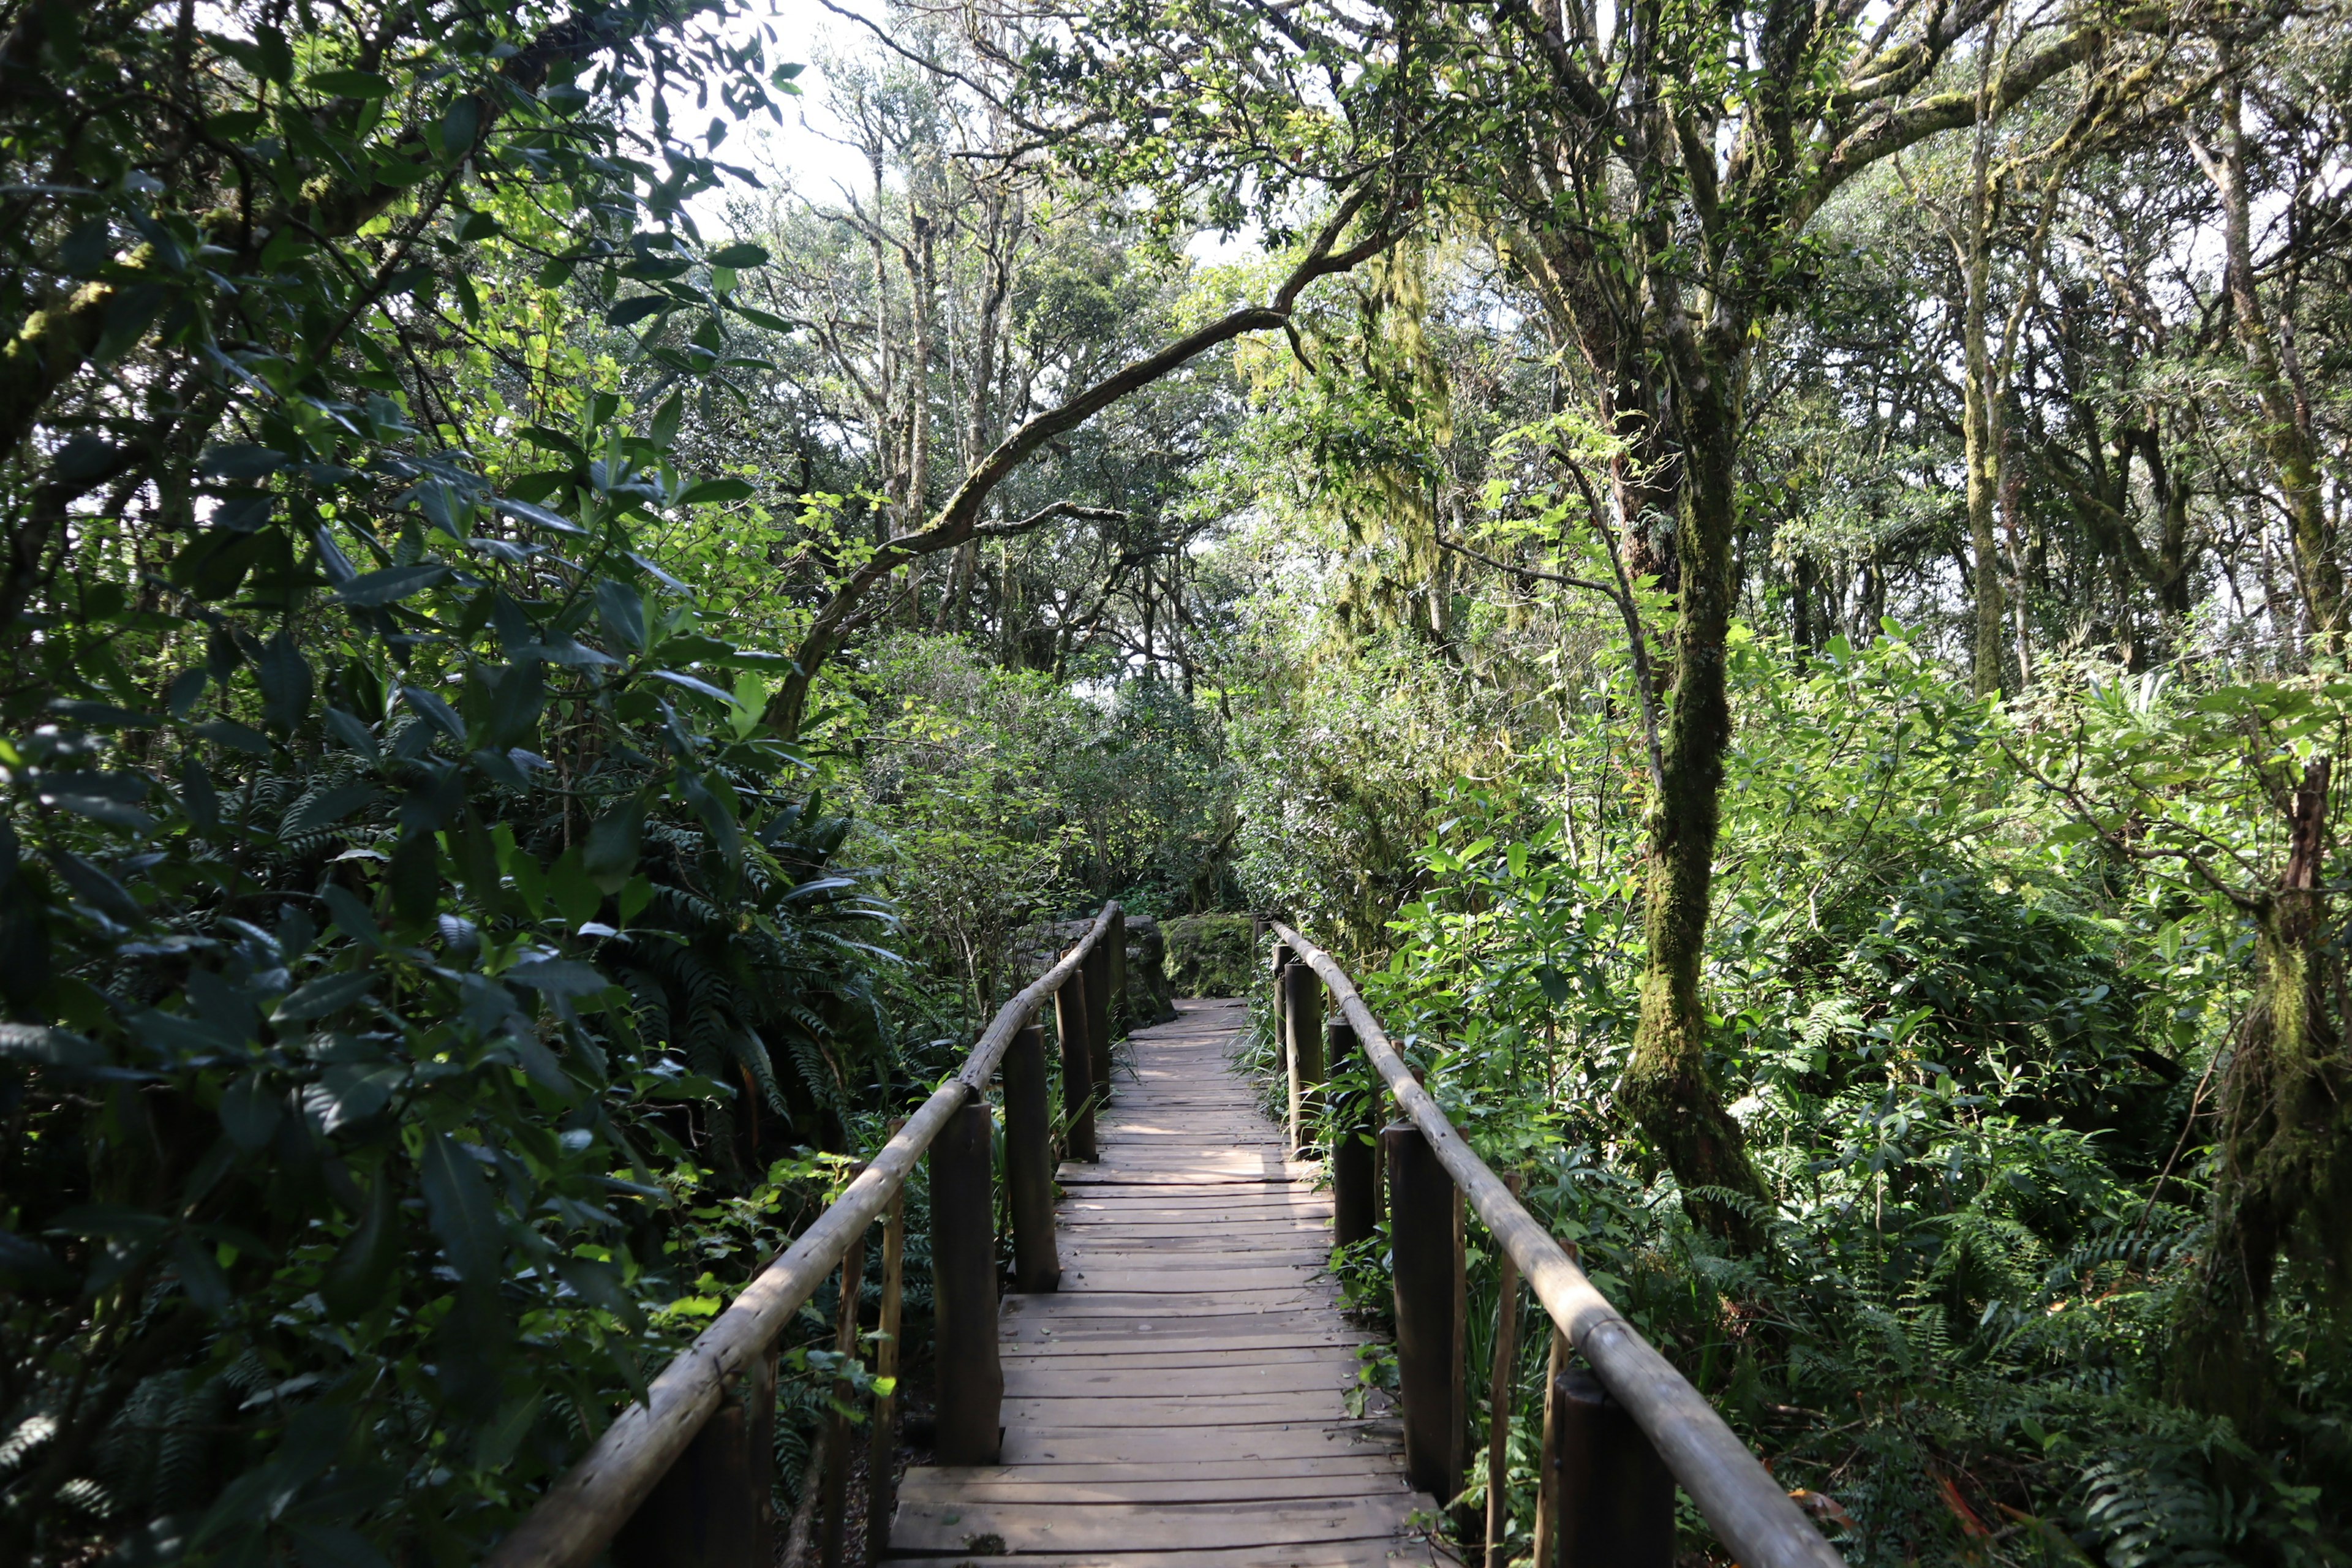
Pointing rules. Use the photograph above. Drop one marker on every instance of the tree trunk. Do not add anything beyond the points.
(2286, 433)
(1666, 1088)
(2287, 1136)
(1979, 399)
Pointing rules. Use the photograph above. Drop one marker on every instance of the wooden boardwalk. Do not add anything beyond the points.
(1180, 1402)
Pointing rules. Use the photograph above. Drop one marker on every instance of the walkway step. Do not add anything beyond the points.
(1181, 1401)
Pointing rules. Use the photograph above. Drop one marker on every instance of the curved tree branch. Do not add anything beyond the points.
(958, 519)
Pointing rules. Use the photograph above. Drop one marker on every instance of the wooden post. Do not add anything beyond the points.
(1616, 1496)
(1122, 1017)
(1282, 961)
(1096, 969)
(963, 1287)
(1498, 1403)
(1355, 1181)
(1547, 1547)
(882, 1443)
(711, 1510)
(760, 1444)
(1078, 1065)
(1302, 1022)
(1029, 1164)
(1425, 1231)
(832, 1527)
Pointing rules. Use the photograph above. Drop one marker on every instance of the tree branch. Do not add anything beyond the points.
(957, 521)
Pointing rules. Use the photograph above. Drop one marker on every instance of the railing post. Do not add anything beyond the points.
(882, 1443)
(711, 1510)
(1616, 1496)
(1303, 1024)
(1078, 1065)
(1029, 1164)
(1096, 969)
(1547, 1542)
(1355, 1183)
(832, 1526)
(1498, 1403)
(1282, 958)
(1424, 1239)
(963, 1285)
(1122, 1017)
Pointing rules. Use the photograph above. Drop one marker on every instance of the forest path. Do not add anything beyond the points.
(1182, 1401)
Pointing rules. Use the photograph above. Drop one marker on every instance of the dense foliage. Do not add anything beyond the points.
(1770, 576)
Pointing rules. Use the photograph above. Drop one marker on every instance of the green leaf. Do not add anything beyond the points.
(433, 711)
(539, 516)
(271, 57)
(705, 492)
(325, 809)
(236, 737)
(517, 695)
(663, 431)
(740, 257)
(564, 978)
(637, 308)
(759, 318)
(599, 1285)
(615, 840)
(354, 1092)
(187, 688)
(556, 441)
(700, 688)
(250, 1112)
(349, 84)
(458, 1207)
(374, 590)
(622, 610)
(323, 996)
(286, 684)
(460, 122)
(352, 917)
(44, 1047)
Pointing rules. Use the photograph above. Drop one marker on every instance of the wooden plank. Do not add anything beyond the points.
(1146, 1308)
(1188, 1271)
(1081, 1204)
(1273, 1360)
(1118, 1358)
(1133, 1177)
(1231, 1278)
(1275, 1440)
(1095, 1336)
(1049, 1377)
(1370, 1478)
(1201, 1224)
(1041, 1527)
(1399, 1554)
(1283, 1407)
(1373, 1471)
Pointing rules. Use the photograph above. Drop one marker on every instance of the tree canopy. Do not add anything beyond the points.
(1772, 577)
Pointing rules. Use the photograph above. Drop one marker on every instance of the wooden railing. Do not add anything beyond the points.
(682, 1480)
(1615, 1440)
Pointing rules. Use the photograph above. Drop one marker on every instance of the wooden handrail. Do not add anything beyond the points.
(1752, 1515)
(580, 1514)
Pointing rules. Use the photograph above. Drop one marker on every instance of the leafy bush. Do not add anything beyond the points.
(1971, 1084)
(1214, 955)
(411, 949)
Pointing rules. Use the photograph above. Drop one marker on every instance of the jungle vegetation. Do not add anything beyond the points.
(1772, 577)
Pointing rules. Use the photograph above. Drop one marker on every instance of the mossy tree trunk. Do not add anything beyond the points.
(2285, 1145)
(1666, 1088)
